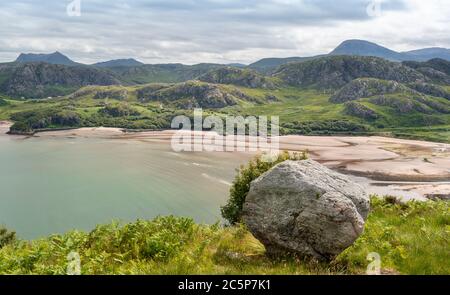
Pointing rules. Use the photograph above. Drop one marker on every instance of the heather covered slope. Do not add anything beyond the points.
(334, 72)
(330, 95)
(239, 77)
(40, 80)
(162, 73)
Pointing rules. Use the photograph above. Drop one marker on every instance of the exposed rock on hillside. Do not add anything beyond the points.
(239, 77)
(356, 109)
(367, 87)
(437, 64)
(144, 93)
(101, 92)
(304, 208)
(118, 94)
(434, 75)
(335, 72)
(163, 73)
(37, 80)
(430, 89)
(437, 70)
(192, 94)
(401, 105)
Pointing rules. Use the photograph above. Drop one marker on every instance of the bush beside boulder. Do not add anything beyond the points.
(304, 208)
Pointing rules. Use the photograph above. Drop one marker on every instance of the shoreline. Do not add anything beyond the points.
(374, 158)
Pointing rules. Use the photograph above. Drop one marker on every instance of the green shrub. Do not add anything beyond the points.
(325, 127)
(66, 118)
(21, 127)
(6, 237)
(44, 118)
(120, 110)
(232, 211)
(159, 239)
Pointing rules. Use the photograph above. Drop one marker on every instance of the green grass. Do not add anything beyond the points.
(411, 239)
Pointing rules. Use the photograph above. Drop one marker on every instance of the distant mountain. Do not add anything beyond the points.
(55, 58)
(365, 48)
(237, 65)
(42, 75)
(428, 53)
(130, 62)
(266, 65)
(357, 48)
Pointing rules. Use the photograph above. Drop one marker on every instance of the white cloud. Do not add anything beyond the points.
(188, 31)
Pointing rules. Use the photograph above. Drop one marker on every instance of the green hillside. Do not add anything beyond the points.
(331, 95)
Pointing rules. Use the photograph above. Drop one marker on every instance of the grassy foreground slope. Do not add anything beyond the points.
(411, 238)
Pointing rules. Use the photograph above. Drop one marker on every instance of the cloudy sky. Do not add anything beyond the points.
(192, 31)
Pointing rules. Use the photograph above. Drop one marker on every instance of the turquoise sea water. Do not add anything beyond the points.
(52, 185)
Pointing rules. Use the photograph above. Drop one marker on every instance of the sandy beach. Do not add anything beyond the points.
(417, 167)
(379, 158)
(4, 126)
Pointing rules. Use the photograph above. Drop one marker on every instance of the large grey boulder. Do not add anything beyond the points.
(304, 208)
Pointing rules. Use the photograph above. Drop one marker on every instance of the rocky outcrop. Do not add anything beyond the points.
(240, 77)
(367, 87)
(437, 64)
(336, 71)
(37, 80)
(434, 75)
(118, 94)
(302, 207)
(390, 93)
(401, 105)
(356, 109)
(99, 92)
(193, 94)
(430, 89)
(147, 91)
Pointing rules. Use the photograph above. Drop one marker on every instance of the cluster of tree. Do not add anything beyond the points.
(44, 118)
(324, 127)
(119, 116)
(120, 110)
